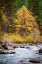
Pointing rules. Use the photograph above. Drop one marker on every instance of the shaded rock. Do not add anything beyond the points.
(7, 44)
(22, 46)
(27, 47)
(34, 60)
(1, 47)
(0, 51)
(6, 41)
(12, 52)
(2, 63)
(15, 47)
(40, 51)
(9, 48)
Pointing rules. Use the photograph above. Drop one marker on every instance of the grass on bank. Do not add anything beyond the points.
(14, 37)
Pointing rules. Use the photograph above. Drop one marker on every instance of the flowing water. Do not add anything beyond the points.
(22, 54)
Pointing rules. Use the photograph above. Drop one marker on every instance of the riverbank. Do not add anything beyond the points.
(16, 38)
(7, 44)
(20, 53)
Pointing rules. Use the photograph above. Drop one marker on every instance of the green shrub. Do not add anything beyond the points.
(0, 15)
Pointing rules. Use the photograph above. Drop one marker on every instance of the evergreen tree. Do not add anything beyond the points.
(20, 3)
(34, 6)
(26, 3)
(0, 16)
(10, 7)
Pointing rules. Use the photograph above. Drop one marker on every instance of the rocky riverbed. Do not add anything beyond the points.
(22, 54)
(17, 53)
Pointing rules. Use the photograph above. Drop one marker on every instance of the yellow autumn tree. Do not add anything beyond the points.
(24, 21)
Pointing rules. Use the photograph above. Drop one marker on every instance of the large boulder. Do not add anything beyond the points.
(6, 40)
(9, 47)
(34, 60)
(40, 51)
(7, 44)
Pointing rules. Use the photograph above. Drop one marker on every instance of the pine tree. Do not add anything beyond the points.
(26, 3)
(34, 6)
(20, 3)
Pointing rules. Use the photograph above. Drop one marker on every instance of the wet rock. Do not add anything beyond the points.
(0, 51)
(12, 52)
(22, 46)
(40, 51)
(6, 52)
(34, 60)
(22, 61)
(27, 47)
(15, 47)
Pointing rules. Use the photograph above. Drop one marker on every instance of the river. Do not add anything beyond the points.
(22, 54)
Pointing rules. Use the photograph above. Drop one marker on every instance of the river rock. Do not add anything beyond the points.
(1, 47)
(40, 51)
(6, 41)
(4, 52)
(9, 48)
(12, 52)
(7, 52)
(15, 47)
(22, 47)
(22, 60)
(7, 44)
(27, 47)
(34, 60)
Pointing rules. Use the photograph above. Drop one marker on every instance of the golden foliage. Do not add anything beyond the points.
(5, 19)
(23, 12)
(24, 19)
